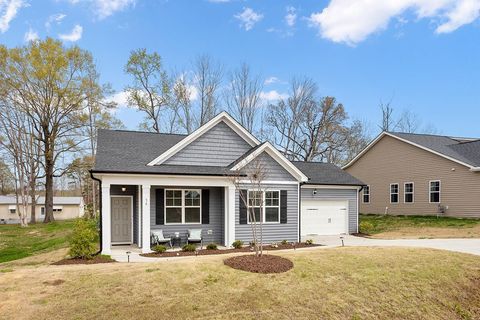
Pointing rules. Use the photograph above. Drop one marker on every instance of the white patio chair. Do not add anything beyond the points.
(158, 238)
(195, 236)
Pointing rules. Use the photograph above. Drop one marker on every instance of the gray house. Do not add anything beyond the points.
(178, 182)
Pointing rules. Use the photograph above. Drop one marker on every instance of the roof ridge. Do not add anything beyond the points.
(138, 131)
(434, 135)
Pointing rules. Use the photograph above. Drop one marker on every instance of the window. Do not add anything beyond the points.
(394, 193)
(42, 211)
(271, 206)
(409, 192)
(366, 194)
(13, 211)
(182, 206)
(434, 191)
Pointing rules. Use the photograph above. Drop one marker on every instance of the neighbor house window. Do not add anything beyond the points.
(435, 191)
(12, 210)
(409, 192)
(394, 193)
(182, 206)
(271, 206)
(42, 211)
(366, 194)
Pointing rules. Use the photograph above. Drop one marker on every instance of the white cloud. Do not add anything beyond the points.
(351, 22)
(291, 16)
(271, 80)
(120, 98)
(105, 8)
(248, 18)
(54, 18)
(8, 11)
(272, 95)
(74, 35)
(30, 35)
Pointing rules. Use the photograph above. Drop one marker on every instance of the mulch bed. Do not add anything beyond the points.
(205, 252)
(94, 260)
(262, 264)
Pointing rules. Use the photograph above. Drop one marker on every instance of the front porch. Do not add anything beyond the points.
(132, 207)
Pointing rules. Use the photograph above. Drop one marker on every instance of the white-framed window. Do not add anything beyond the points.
(12, 209)
(435, 189)
(394, 191)
(183, 206)
(409, 192)
(366, 194)
(271, 206)
(42, 211)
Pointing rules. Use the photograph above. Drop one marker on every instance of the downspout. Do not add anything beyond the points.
(100, 209)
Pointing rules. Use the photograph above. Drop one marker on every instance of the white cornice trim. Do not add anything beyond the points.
(223, 116)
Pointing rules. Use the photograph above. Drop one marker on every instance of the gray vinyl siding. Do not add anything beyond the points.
(217, 221)
(272, 232)
(219, 146)
(116, 190)
(349, 195)
(274, 171)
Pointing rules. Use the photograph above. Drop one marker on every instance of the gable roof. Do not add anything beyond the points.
(326, 174)
(465, 151)
(222, 117)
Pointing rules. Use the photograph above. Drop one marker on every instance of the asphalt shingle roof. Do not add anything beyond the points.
(326, 174)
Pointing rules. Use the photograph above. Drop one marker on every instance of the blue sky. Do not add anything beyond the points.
(422, 54)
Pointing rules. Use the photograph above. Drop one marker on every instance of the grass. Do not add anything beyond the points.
(421, 226)
(340, 283)
(17, 242)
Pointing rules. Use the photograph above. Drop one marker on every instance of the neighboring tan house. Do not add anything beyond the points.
(419, 174)
(64, 208)
(171, 182)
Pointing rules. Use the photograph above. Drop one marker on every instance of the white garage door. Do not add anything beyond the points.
(324, 217)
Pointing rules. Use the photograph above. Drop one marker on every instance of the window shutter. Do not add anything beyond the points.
(205, 206)
(283, 206)
(159, 206)
(242, 206)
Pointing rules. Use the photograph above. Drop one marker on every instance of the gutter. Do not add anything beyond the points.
(475, 169)
(100, 209)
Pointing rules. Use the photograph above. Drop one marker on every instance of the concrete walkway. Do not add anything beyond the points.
(471, 246)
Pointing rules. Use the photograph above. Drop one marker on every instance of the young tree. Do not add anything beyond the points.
(150, 90)
(182, 104)
(49, 81)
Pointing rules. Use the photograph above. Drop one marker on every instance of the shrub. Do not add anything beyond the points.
(189, 248)
(159, 248)
(237, 244)
(284, 242)
(309, 242)
(366, 227)
(252, 244)
(212, 246)
(83, 241)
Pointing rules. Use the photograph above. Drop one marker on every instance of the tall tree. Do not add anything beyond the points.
(7, 180)
(150, 90)
(50, 82)
(182, 103)
(242, 96)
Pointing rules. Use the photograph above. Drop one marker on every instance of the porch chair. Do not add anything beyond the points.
(195, 236)
(157, 237)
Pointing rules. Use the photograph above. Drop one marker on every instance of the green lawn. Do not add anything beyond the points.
(427, 226)
(17, 242)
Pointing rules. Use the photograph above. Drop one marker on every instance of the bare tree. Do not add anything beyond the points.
(242, 96)
(388, 121)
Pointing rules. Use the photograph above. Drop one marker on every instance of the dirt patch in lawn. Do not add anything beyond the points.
(205, 252)
(56, 282)
(94, 260)
(262, 264)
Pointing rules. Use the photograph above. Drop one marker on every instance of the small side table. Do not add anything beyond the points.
(176, 241)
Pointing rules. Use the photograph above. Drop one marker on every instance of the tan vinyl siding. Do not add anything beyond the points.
(393, 161)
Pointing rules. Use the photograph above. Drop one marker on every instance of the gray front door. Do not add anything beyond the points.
(121, 208)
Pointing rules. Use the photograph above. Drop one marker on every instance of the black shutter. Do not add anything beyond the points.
(159, 206)
(283, 206)
(242, 207)
(205, 206)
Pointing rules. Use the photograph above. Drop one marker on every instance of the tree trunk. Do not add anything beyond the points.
(48, 184)
(33, 200)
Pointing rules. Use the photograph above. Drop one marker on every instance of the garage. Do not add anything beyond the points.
(321, 217)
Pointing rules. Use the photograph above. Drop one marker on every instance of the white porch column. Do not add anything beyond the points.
(229, 215)
(106, 219)
(146, 218)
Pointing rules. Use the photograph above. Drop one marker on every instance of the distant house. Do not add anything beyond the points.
(419, 174)
(63, 208)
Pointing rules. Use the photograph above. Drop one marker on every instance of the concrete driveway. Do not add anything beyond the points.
(471, 246)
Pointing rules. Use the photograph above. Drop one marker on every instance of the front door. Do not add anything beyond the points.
(121, 208)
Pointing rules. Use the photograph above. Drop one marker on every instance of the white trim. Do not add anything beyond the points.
(384, 133)
(146, 218)
(277, 156)
(439, 191)
(405, 192)
(271, 182)
(348, 213)
(131, 220)
(398, 192)
(325, 186)
(369, 195)
(223, 116)
(139, 216)
(182, 207)
(106, 218)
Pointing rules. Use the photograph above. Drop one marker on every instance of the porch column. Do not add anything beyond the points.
(146, 218)
(229, 215)
(106, 219)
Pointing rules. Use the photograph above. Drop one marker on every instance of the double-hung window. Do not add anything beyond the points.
(269, 201)
(394, 193)
(409, 190)
(182, 206)
(366, 194)
(435, 191)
